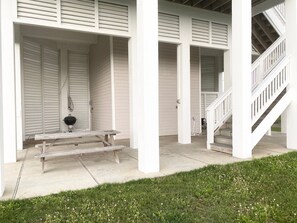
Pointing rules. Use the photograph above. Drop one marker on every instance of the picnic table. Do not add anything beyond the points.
(88, 138)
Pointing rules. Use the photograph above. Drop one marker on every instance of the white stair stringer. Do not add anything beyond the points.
(272, 116)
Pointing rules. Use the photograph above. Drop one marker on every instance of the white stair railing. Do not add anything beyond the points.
(266, 93)
(281, 10)
(268, 60)
(217, 114)
(221, 109)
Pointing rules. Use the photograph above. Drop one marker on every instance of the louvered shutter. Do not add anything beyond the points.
(169, 26)
(78, 12)
(37, 9)
(50, 85)
(200, 31)
(219, 34)
(41, 88)
(79, 87)
(113, 16)
(32, 88)
(209, 75)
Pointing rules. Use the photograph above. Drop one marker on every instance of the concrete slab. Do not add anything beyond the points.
(24, 178)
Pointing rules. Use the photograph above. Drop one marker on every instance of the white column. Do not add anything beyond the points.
(8, 82)
(184, 77)
(284, 122)
(291, 27)
(133, 82)
(1, 117)
(241, 78)
(18, 86)
(148, 71)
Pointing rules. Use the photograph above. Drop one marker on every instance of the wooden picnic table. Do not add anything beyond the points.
(77, 138)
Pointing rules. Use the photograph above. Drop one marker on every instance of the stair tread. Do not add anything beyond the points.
(223, 148)
(223, 137)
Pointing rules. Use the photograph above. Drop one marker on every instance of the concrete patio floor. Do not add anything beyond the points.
(24, 178)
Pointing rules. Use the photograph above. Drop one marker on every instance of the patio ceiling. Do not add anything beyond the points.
(223, 6)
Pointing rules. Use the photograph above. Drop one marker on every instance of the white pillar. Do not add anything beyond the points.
(18, 86)
(148, 71)
(284, 123)
(291, 27)
(8, 82)
(184, 77)
(241, 77)
(133, 82)
(1, 117)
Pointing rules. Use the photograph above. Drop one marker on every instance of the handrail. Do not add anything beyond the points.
(265, 94)
(268, 60)
(281, 9)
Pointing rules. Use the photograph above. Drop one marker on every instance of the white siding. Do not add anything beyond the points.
(209, 74)
(168, 89)
(195, 90)
(78, 72)
(41, 88)
(100, 84)
(121, 87)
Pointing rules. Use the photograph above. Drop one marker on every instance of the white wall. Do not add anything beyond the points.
(1, 120)
(167, 89)
(100, 84)
(121, 87)
(195, 91)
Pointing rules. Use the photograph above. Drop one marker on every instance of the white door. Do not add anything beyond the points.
(167, 89)
(78, 72)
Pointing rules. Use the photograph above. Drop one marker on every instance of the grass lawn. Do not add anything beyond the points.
(262, 190)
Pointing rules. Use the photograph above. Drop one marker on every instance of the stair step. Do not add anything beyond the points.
(226, 131)
(223, 148)
(223, 139)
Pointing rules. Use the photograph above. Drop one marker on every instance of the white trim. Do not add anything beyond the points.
(18, 84)
(113, 115)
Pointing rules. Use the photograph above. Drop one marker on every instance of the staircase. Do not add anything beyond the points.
(270, 97)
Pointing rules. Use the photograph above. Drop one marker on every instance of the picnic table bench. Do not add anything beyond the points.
(77, 138)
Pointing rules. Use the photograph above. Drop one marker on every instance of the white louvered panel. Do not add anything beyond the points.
(50, 83)
(169, 26)
(100, 84)
(79, 87)
(167, 89)
(78, 12)
(200, 31)
(209, 74)
(37, 9)
(113, 17)
(195, 90)
(32, 88)
(121, 82)
(219, 34)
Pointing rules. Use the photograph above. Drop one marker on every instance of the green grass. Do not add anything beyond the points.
(262, 190)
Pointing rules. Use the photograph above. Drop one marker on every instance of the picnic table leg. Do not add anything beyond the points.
(115, 153)
(106, 139)
(43, 158)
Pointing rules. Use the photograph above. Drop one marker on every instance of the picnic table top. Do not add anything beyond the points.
(69, 135)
